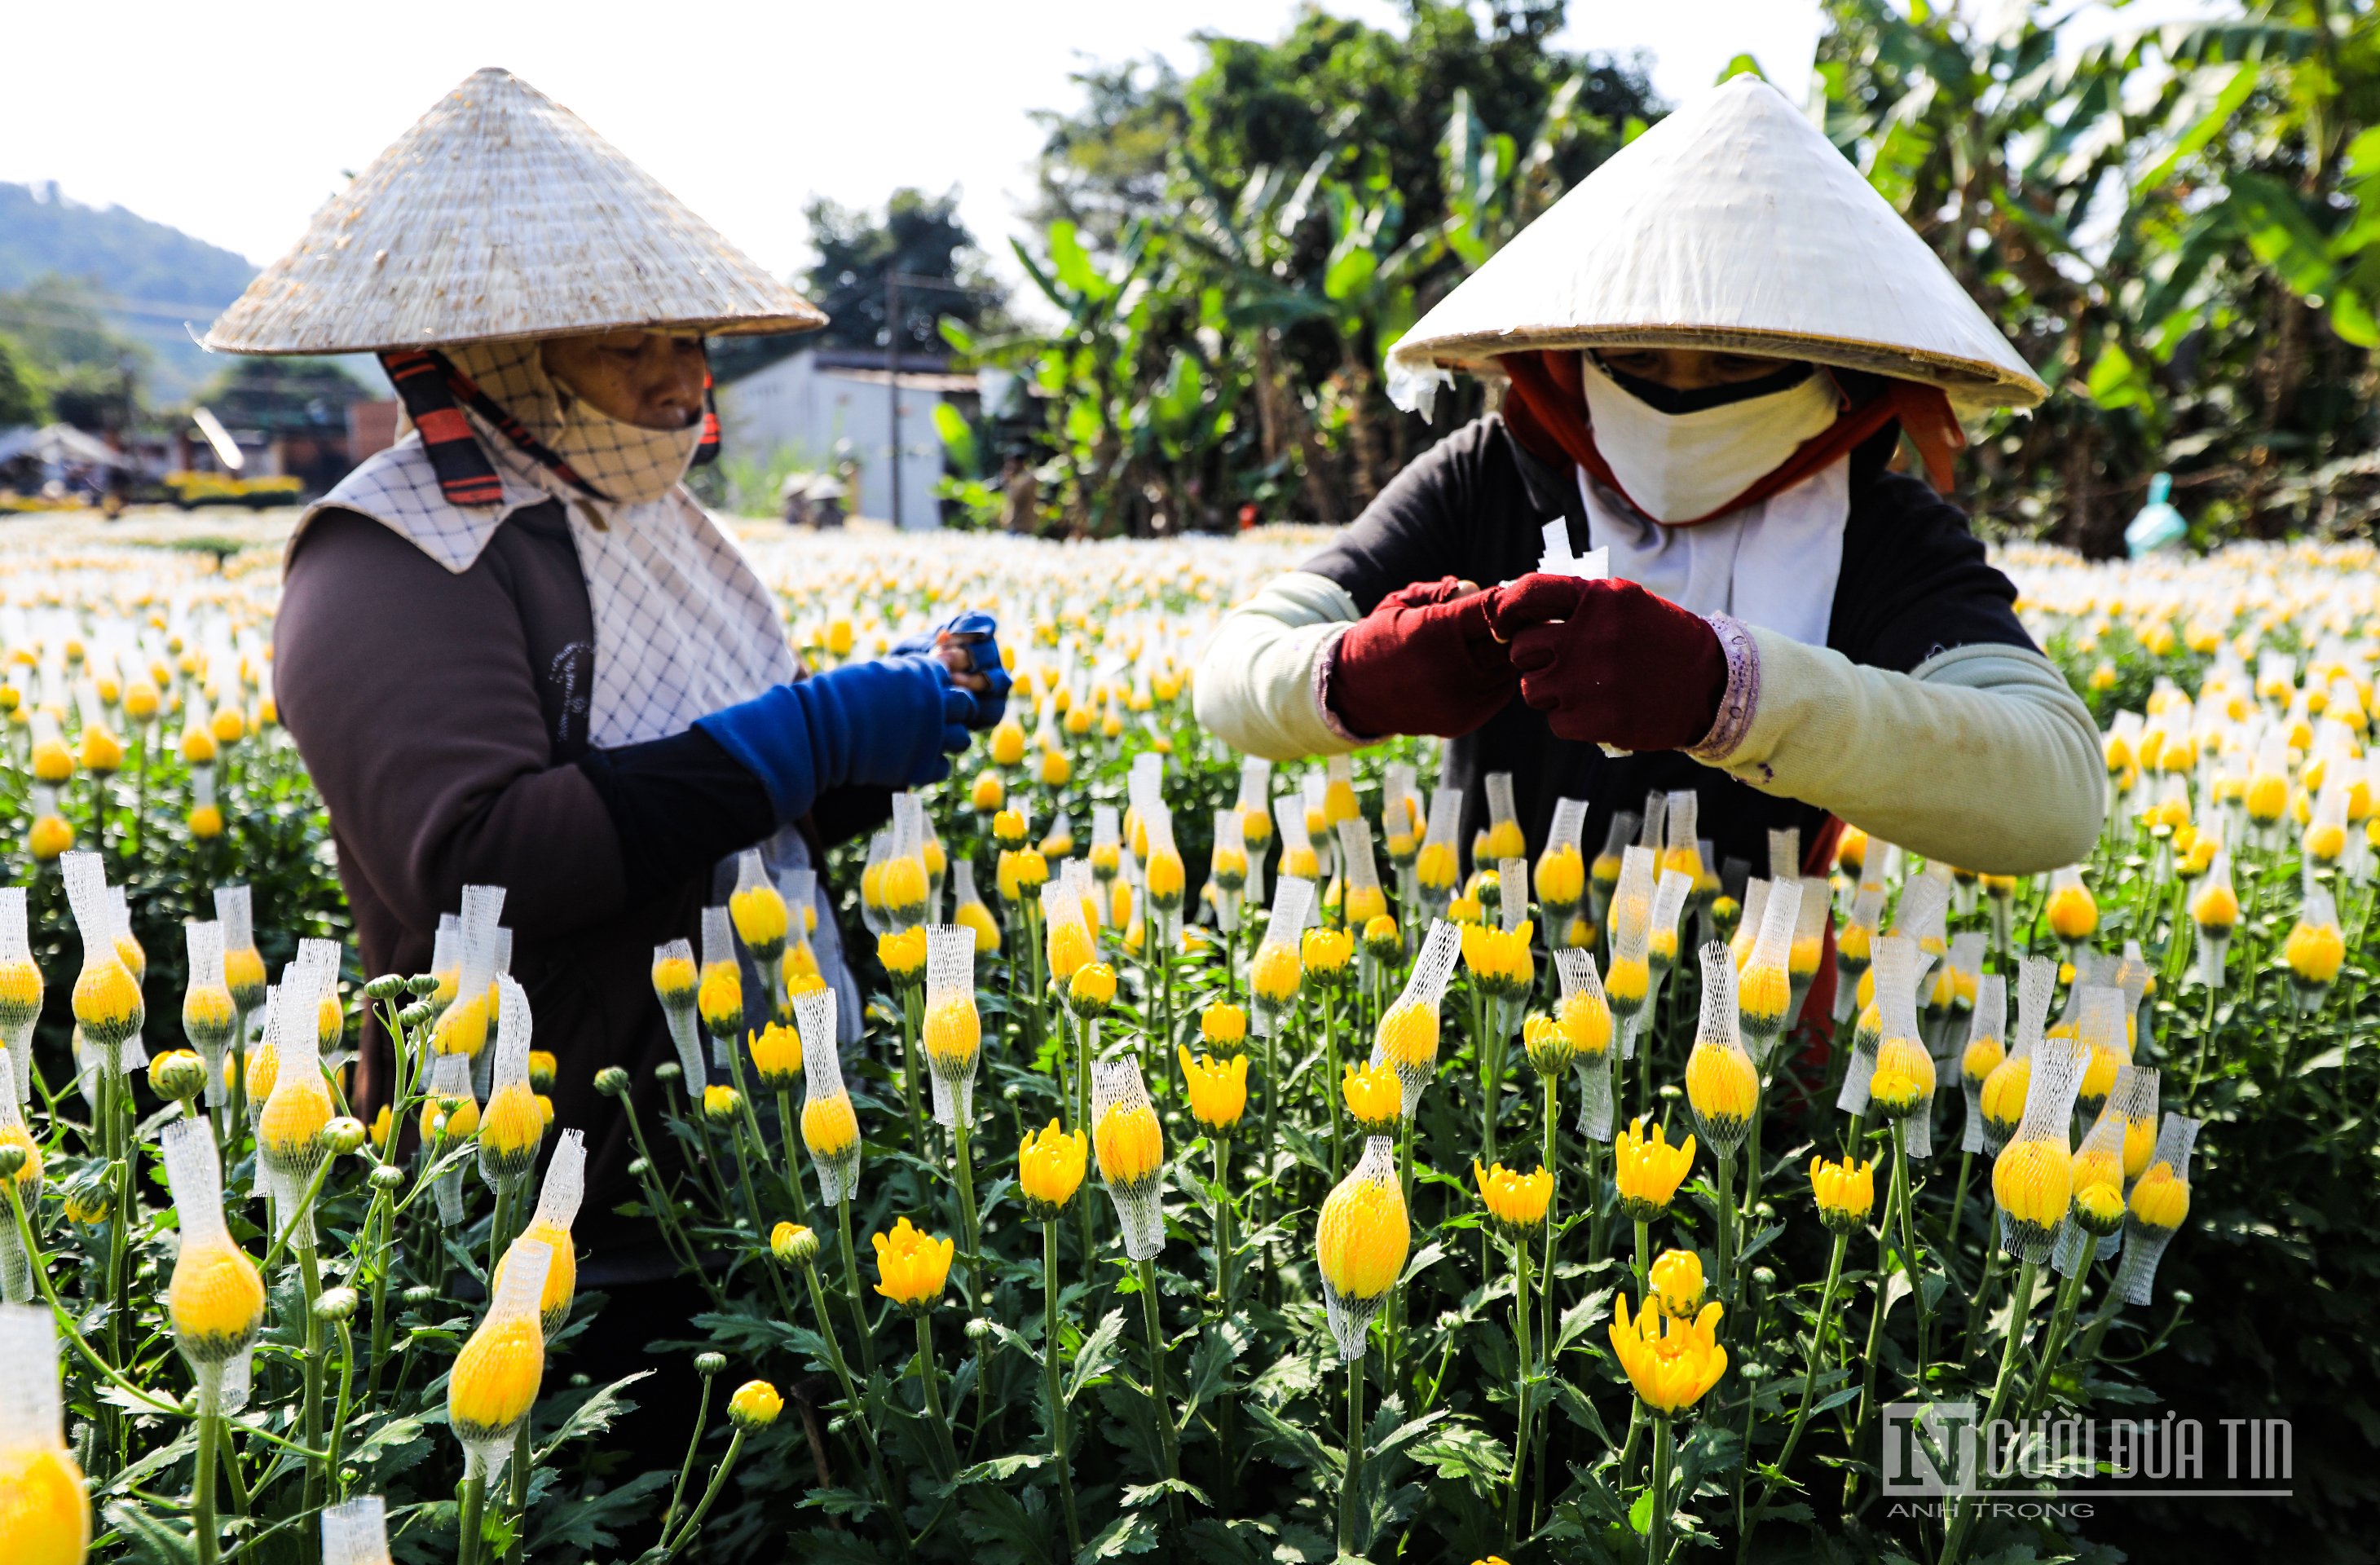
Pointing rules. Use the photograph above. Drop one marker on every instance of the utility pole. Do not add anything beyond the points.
(894, 281)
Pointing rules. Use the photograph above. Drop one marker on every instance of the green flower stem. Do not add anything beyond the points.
(1351, 1482)
(1157, 1389)
(931, 1379)
(1656, 1529)
(310, 1411)
(1958, 1201)
(1726, 1214)
(1856, 1436)
(1521, 1388)
(851, 1282)
(1644, 1262)
(709, 1495)
(1815, 1356)
(2061, 1321)
(1906, 1208)
(202, 1477)
(850, 1392)
(971, 1237)
(1954, 1545)
(665, 1209)
(518, 1477)
(345, 1402)
(912, 1001)
(1979, 1304)
(1052, 1389)
(1549, 1158)
(467, 1531)
(1332, 1075)
(693, 1449)
(788, 1126)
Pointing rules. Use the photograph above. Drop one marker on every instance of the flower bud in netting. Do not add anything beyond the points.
(511, 1127)
(557, 1208)
(1722, 1085)
(1407, 1037)
(953, 1030)
(20, 1167)
(2215, 910)
(758, 909)
(1277, 972)
(215, 1300)
(2160, 1201)
(289, 1126)
(449, 1115)
(1438, 865)
(1364, 899)
(495, 1378)
(719, 995)
(1984, 1051)
(2315, 951)
(1360, 1243)
(677, 984)
(830, 1127)
(107, 1005)
(1130, 1148)
(1628, 984)
(1583, 1025)
(2032, 1178)
(1764, 985)
(20, 988)
(356, 1532)
(1560, 874)
(209, 1014)
(2097, 1200)
(1901, 1088)
(45, 1504)
(462, 1026)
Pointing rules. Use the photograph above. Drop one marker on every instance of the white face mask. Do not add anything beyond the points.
(1685, 466)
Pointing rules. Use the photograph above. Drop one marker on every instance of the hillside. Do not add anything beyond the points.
(152, 277)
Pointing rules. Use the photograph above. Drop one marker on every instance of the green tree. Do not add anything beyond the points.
(23, 400)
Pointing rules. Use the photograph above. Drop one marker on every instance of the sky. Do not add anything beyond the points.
(234, 123)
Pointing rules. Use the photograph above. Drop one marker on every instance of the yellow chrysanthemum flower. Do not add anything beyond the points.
(1408, 1036)
(2033, 1183)
(1050, 1167)
(1219, 1088)
(1130, 1143)
(953, 1031)
(1516, 1202)
(761, 920)
(1374, 1097)
(1845, 1192)
(1675, 1283)
(911, 1266)
(830, 1128)
(2161, 1199)
(45, 1510)
(495, 1378)
(1671, 1362)
(215, 1301)
(1647, 1170)
(1362, 1238)
(776, 1056)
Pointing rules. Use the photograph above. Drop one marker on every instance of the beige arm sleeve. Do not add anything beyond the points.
(1257, 686)
(1981, 756)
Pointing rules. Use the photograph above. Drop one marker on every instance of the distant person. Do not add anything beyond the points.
(1715, 345)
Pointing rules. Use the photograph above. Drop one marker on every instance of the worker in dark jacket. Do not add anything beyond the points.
(512, 649)
(1679, 557)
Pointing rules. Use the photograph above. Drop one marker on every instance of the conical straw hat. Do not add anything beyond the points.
(1733, 224)
(501, 214)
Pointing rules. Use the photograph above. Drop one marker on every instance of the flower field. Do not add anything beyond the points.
(1235, 1164)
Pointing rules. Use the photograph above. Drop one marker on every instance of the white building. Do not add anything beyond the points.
(821, 404)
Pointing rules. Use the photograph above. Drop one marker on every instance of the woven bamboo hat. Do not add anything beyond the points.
(1733, 224)
(499, 214)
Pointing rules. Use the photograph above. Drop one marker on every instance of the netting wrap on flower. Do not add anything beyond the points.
(953, 1031)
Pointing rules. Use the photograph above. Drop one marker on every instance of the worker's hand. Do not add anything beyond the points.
(893, 723)
(1610, 664)
(1423, 662)
(969, 646)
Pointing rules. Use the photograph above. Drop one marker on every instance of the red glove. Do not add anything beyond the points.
(1610, 664)
(1425, 661)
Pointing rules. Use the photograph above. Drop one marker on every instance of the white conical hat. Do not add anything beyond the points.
(501, 214)
(1733, 224)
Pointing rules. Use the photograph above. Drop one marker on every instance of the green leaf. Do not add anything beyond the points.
(1134, 1532)
(1097, 1355)
(154, 1543)
(594, 1415)
(1467, 1452)
(1219, 1345)
(998, 1470)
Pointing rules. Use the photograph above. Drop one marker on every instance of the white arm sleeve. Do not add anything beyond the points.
(1257, 686)
(1982, 756)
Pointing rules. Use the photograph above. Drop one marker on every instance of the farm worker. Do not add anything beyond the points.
(512, 649)
(1713, 346)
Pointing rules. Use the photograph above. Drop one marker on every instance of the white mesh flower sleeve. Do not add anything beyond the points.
(2136, 1275)
(565, 1180)
(2040, 1143)
(1512, 892)
(1117, 1089)
(1578, 975)
(1425, 987)
(1292, 912)
(1350, 1317)
(824, 1098)
(1715, 1120)
(32, 1412)
(15, 1266)
(719, 950)
(1987, 1026)
(355, 1532)
(1769, 962)
(954, 1028)
(1925, 909)
(1785, 853)
(20, 1007)
(1669, 896)
(677, 1010)
(1678, 822)
(450, 1076)
(2215, 940)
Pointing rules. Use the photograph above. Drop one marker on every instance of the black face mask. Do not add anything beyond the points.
(1671, 399)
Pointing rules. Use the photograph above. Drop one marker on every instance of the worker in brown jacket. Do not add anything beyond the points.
(512, 649)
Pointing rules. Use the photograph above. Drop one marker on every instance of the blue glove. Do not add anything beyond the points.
(980, 633)
(888, 724)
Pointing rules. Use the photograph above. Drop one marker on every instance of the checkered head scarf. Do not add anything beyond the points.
(603, 456)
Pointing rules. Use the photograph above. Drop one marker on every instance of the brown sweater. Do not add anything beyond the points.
(444, 718)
